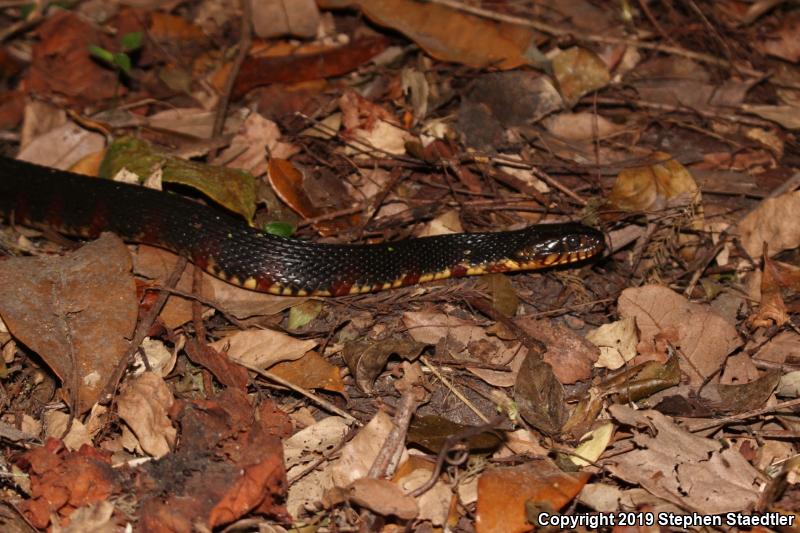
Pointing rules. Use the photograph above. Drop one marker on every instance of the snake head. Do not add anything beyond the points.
(558, 244)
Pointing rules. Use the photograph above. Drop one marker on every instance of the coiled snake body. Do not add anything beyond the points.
(227, 247)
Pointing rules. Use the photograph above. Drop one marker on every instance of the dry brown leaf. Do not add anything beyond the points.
(771, 309)
(539, 396)
(579, 71)
(435, 502)
(304, 447)
(503, 494)
(705, 339)
(787, 116)
(617, 342)
(263, 348)
(273, 18)
(570, 355)
(466, 342)
(664, 183)
(383, 497)
(449, 34)
(686, 469)
(783, 42)
(773, 222)
(143, 405)
(580, 126)
(311, 371)
(358, 454)
(62, 147)
(56, 423)
(76, 311)
(257, 140)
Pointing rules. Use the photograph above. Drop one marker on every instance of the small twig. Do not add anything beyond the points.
(143, 328)
(385, 462)
(245, 40)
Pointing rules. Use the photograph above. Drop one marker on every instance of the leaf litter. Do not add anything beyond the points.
(660, 378)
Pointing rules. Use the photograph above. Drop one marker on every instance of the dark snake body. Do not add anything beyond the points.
(227, 247)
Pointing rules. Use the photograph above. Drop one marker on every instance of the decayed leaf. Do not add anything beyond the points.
(501, 291)
(272, 18)
(504, 492)
(62, 481)
(540, 396)
(143, 405)
(231, 188)
(685, 469)
(56, 423)
(570, 355)
(431, 432)
(312, 371)
(665, 183)
(705, 338)
(773, 222)
(783, 41)
(263, 347)
(617, 342)
(771, 309)
(369, 126)
(305, 446)
(75, 311)
(257, 139)
(367, 359)
(579, 71)
(302, 314)
(448, 34)
(465, 342)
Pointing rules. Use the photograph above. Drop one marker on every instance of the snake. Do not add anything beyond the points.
(229, 248)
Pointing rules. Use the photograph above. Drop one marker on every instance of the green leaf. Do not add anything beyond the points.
(101, 54)
(301, 314)
(281, 229)
(131, 41)
(123, 62)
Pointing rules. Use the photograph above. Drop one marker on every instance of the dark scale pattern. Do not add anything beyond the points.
(226, 245)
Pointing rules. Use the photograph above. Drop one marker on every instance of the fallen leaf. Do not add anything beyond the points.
(540, 397)
(435, 503)
(593, 445)
(773, 222)
(274, 18)
(449, 34)
(431, 432)
(664, 183)
(579, 71)
(772, 309)
(705, 338)
(617, 342)
(465, 342)
(231, 188)
(56, 423)
(305, 447)
(258, 71)
(504, 492)
(143, 405)
(570, 355)
(782, 42)
(311, 371)
(787, 116)
(76, 311)
(257, 140)
(382, 497)
(263, 348)
(62, 481)
(367, 359)
(360, 452)
(685, 469)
